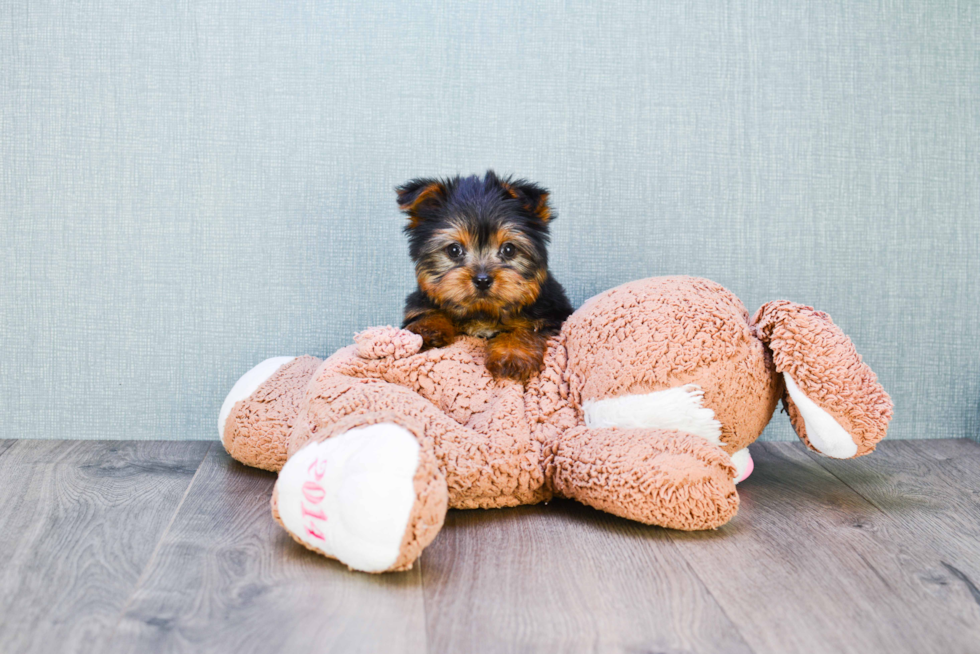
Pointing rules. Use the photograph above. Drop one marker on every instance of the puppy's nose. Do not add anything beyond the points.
(483, 281)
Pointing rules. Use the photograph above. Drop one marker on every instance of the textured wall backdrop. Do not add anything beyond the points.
(187, 188)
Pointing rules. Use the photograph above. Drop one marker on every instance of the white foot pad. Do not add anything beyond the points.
(246, 385)
(824, 433)
(743, 464)
(351, 496)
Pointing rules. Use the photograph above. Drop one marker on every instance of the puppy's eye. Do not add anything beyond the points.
(508, 250)
(454, 251)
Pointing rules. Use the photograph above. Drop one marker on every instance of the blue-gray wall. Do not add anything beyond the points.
(186, 189)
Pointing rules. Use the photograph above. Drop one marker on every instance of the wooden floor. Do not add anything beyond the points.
(170, 547)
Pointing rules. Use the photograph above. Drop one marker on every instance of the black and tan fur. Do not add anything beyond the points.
(481, 262)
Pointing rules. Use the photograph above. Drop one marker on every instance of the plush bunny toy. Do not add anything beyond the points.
(644, 407)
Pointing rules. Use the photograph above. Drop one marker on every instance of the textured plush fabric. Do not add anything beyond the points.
(429, 510)
(267, 416)
(655, 334)
(189, 188)
(489, 443)
(690, 480)
(835, 378)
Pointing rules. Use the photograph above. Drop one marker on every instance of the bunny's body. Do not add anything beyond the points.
(647, 400)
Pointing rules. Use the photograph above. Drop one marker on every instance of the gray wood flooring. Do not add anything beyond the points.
(170, 547)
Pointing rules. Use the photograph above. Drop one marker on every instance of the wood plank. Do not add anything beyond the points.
(809, 565)
(80, 522)
(931, 489)
(565, 578)
(227, 578)
(6, 444)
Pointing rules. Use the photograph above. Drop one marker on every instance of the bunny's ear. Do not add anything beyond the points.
(420, 197)
(532, 197)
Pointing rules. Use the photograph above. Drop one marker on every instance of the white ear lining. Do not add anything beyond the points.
(824, 433)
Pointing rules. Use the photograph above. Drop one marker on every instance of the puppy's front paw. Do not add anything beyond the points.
(515, 355)
(436, 331)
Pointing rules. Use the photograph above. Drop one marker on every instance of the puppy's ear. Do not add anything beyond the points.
(532, 197)
(420, 196)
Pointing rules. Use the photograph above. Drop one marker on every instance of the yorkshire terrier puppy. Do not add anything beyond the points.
(481, 261)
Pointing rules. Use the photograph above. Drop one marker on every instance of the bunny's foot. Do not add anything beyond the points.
(371, 497)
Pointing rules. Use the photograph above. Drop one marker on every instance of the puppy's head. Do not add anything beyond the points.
(479, 245)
